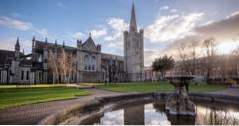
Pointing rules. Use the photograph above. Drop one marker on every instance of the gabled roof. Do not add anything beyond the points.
(89, 44)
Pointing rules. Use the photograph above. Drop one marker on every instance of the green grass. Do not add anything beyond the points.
(162, 86)
(31, 86)
(20, 96)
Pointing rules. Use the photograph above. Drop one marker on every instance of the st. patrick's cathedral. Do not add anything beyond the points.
(87, 62)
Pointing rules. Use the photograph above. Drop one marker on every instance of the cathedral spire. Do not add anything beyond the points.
(133, 24)
(17, 45)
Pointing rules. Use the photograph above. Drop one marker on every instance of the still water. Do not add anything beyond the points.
(153, 113)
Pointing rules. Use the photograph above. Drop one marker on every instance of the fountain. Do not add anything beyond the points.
(179, 103)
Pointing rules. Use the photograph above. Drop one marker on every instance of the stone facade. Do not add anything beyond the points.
(88, 63)
(134, 50)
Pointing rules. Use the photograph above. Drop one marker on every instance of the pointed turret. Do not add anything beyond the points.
(133, 24)
(63, 43)
(17, 49)
(17, 46)
(55, 42)
(33, 42)
(33, 38)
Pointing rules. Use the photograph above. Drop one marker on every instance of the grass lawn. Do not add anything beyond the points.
(19, 96)
(162, 86)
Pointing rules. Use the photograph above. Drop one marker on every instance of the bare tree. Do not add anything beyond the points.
(209, 45)
(235, 54)
(53, 66)
(66, 65)
(184, 60)
(193, 57)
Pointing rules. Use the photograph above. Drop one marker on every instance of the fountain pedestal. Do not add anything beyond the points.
(179, 103)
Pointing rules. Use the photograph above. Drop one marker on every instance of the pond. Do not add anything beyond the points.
(150, 112)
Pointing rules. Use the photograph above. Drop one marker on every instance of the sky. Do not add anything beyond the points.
(167, 24)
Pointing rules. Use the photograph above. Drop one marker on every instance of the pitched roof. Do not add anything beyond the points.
(89, 44)
(42, 44)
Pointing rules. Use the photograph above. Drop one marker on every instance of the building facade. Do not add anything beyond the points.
(50, 62)
(87, 64)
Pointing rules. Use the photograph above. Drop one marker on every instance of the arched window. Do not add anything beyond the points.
(40, 59)
(93, 62)
(86, 62)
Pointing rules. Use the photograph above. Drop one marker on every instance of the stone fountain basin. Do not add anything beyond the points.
(179, 103)
(63, 116)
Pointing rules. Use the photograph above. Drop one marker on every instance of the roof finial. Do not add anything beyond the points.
(33, 38)
(89, 34)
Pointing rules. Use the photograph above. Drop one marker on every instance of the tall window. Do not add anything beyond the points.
(90, 62)
(86, 62)
(40, 58)
(27, 75)
(93, 62)
(22, 75)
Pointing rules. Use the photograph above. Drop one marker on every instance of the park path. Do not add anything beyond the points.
(228, 91)
(33, 113)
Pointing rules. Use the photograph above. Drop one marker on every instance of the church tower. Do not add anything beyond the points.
(17, 49)
(134, 50)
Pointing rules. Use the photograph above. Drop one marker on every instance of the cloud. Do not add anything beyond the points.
(150, 55)
(99, 33)
(42, 31)
(173, 11)
(78, 35)
(22, 26)
(165, 8)
(171, 27)
(117, 24)
(225, 32)
(116, 27)
(15, 24)
(225, 29)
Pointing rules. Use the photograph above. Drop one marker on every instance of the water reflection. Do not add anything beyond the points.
(112, 118)
(216, 115)
(155, 114)
(134, 115)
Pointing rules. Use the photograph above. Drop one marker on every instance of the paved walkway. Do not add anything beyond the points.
(33, 113)
(228, 91)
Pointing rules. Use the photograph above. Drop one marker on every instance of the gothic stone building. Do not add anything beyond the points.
(88, 63)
